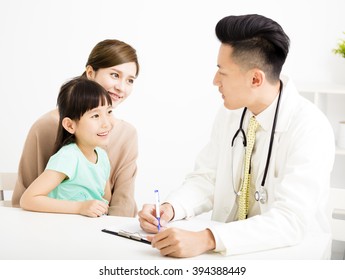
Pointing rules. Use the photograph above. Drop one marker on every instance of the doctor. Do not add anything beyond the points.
(289, 166)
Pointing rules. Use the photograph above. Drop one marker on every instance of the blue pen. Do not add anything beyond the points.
(158, 214)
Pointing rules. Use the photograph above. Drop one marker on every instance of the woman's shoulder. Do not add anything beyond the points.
(47, 121)
(122, 137)
(123, 128)
(45, 128)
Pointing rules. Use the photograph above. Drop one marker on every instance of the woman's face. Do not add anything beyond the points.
(117, 80)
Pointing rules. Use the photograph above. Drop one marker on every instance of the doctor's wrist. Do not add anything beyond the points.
(210, 241)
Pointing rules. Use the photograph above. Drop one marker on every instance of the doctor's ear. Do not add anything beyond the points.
(69, 125)
(258, 77)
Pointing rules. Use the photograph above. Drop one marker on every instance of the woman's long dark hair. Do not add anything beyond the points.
(76, 97)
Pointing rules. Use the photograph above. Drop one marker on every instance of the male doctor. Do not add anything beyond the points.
(286, 157)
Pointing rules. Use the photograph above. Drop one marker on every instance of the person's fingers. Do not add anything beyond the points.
(159, 237)
(147, 219)
(164, 242)
(148, 226)
(167, 213)
(104, 207)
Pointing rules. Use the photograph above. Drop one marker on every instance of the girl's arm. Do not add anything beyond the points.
(35, 198)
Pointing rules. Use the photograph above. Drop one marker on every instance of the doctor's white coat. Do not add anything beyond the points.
(297, 183)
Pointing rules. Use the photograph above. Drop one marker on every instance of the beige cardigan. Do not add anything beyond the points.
(122, 151)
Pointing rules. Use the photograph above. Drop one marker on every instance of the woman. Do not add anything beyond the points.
(114, 65)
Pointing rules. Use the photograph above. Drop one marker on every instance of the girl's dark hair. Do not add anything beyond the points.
(256, 41)
(76, 97)
(109, 53)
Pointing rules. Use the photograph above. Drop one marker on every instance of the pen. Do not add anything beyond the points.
(158, 214)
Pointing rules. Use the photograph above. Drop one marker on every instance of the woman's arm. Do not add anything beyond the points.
(107, 191)
(123, 153)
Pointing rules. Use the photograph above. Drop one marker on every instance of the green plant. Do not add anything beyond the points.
(340, 48)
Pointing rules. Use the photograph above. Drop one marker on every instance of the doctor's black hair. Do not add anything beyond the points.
(256, 41)
(75, 98)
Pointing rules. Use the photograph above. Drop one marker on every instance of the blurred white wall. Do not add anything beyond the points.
(44, 42)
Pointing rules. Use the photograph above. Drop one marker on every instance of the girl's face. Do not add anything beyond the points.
(117, 80)
(93, 128)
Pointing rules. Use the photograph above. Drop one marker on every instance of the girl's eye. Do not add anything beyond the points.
(115, 75)
(131, 81)
(110, 111)
(95, 116)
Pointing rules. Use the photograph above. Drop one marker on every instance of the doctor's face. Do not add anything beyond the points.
(231, 80)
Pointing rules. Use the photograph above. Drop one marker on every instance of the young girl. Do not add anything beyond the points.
(76, 177)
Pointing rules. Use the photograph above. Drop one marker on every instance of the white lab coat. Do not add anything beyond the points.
(297, 183)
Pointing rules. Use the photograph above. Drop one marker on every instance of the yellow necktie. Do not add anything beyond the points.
(244, 197)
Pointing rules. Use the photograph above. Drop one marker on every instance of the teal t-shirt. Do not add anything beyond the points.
(86, 180)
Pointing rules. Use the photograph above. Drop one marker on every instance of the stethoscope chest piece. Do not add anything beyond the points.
(261, 195)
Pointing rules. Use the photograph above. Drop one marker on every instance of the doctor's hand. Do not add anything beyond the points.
(147, 216)
(180, 243)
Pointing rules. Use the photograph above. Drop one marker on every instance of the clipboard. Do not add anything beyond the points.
(128, 235)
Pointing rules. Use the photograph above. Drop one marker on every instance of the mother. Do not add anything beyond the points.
(114, 65)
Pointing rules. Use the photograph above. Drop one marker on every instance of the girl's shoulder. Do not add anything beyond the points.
(101, 152)
(70, 150)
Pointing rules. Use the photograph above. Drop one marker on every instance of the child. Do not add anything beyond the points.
(75, 180)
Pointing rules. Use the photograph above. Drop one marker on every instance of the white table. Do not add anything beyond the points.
(31, 235)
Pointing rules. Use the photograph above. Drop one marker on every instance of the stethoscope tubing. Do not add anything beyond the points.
(240, 130)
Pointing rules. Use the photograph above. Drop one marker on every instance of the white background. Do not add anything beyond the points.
(43, 43)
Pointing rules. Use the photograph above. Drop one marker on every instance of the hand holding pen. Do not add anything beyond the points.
(148, 217)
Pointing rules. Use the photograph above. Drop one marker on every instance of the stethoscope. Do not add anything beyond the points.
(261, 194)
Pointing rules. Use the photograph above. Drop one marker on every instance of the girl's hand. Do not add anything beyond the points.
(93, 208)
